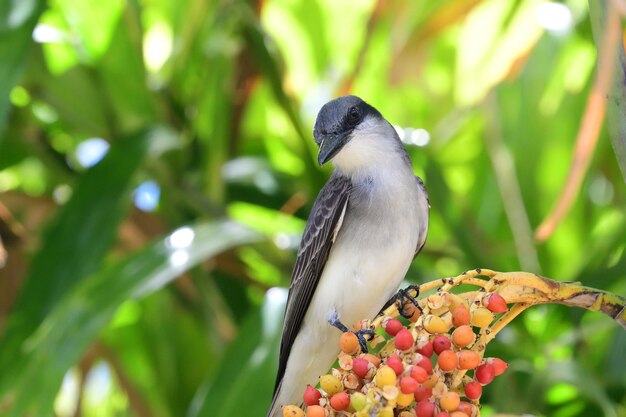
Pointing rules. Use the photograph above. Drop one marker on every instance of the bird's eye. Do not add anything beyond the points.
(354, 115)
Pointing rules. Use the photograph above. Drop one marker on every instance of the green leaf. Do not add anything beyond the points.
(17, 20)
(77, 240)
(244, 383)
(74, 322)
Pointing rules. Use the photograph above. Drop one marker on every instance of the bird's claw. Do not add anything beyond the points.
(402, 298)
(360, 334)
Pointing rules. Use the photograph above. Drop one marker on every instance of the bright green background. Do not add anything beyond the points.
(214, 100)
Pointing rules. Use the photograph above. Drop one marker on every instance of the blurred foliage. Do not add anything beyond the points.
(138, 283)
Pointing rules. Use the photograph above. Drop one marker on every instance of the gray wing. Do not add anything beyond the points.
(425, 208)
(318, 238)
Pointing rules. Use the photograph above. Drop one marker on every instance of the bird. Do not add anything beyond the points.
(366, 226)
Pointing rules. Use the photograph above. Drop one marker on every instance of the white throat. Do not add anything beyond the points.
(372, 146)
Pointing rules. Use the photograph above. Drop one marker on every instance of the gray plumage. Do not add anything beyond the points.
(367, 224)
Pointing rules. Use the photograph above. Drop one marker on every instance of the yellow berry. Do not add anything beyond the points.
(404, 400)
(435, 324)
(385, 412)
(385, 376)
(481, 317)
(292, 411)
(331, 384)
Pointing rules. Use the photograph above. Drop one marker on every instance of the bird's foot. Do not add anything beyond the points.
(402, 298)
(334, 321)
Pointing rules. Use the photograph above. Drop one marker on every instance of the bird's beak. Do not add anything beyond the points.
(330, 145)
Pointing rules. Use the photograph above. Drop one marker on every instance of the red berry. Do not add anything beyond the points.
(312, 396)
(360, 366)
(392, 326)
(473, 390)
(419, 374)
(427, 365)
(404, 340)
(499, 366)
(496, 304)
(340, 401)
(395, 363)
(408, 385)
(441, 343)
(442, 414)
(425, 409)
(485, 373)
(422, 393)
(426, 349)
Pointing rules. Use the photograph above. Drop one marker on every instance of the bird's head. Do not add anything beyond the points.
(344, 120)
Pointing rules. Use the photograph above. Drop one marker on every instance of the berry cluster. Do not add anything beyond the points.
(430, 365)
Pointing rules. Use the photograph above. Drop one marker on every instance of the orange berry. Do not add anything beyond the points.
(449, 401)
(447, 360)
(460, 316)
(468, 359)
(349, 343)
(463, 336)
(458, 413)
(315, 411)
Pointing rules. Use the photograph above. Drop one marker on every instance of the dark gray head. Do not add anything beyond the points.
(336, 121)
